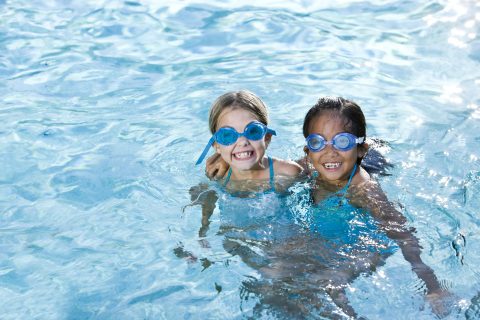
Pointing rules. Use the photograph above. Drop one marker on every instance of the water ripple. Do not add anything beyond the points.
(105, 104)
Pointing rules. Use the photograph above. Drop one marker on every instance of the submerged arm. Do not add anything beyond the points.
(201, 195)
(372, 198)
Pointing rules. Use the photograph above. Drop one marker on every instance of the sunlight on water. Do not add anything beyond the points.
(105, 109)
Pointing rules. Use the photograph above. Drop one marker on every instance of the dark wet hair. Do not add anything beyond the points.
(349, 111)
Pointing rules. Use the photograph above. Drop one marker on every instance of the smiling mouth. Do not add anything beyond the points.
(332, 165)
(243, 155)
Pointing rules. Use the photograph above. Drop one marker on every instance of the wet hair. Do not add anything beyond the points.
(243, 99)
(348, 111)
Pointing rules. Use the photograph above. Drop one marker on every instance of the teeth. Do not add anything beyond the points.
(243, 155)
(332, 165)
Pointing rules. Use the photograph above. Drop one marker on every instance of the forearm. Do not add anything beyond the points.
(394, 224)
(201, 195)
(207, 211)
(411, 251)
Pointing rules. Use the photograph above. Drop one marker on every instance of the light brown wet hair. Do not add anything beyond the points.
(242, 99)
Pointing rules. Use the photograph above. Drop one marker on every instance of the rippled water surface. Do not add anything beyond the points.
(104, 106)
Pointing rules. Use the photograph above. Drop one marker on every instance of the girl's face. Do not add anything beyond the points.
(333, 165)
(244, 154)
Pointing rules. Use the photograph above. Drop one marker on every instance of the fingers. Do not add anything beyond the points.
(216, 171)
(211, 172)
(212, 159)
(216, 167)
(220, 172)
(211, 166)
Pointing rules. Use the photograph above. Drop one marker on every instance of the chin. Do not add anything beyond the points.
(329, 176)
(243, 166)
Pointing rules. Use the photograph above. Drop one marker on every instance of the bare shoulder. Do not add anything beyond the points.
(367, 189)
(286, 168)
(366, 192)
(369, 195)
(362, 178)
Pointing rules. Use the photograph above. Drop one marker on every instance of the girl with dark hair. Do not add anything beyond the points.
(335, 133)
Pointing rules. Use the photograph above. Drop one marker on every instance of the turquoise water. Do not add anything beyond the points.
(104, 110)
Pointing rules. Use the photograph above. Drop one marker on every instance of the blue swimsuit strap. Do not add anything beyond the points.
(343, 191)
(272, 175)
(228, 177)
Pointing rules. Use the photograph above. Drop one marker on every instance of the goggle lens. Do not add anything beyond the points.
(343, 141)
(253, 131)
(226, 136)
(316, 143)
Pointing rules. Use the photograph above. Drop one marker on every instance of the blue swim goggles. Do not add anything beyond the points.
(343, 141)
(227, 136)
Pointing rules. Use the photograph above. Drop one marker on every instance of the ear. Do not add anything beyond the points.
(362, 150)
(268, 138)
(306, 150)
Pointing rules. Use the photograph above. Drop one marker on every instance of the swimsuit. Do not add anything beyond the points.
(349, 230)
(252, 223)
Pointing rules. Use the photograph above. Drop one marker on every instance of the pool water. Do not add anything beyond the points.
(104, 110)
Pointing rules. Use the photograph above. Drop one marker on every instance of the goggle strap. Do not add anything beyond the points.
(271, 131)
(360, 140)
(205, 151)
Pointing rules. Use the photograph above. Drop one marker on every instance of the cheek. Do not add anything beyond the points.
(353, 158)
(222, 149)
(260, 144)
(313, 157)
(354, 155)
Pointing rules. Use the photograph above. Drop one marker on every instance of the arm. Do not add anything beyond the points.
(216, 167)
(286, 174)
(370, 196)
(201, 195)
(305, 164)
(394, 225)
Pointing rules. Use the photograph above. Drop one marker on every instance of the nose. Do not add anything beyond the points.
(242, 141)
(329, 148)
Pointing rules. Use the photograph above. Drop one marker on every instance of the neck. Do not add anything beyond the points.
(332, 185)
(255, 173)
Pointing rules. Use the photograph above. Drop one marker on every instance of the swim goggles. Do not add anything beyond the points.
(343, 141)
(227, 136)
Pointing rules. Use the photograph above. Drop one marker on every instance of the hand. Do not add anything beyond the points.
(216, 167)
(442, 302)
